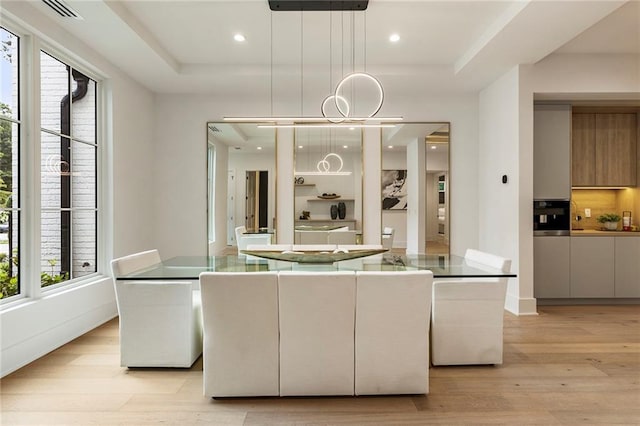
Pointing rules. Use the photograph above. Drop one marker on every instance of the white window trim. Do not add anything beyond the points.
(31, 44)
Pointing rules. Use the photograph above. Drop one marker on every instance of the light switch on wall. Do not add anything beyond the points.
(587, 212)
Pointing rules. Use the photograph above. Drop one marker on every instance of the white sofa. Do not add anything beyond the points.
(160, 321)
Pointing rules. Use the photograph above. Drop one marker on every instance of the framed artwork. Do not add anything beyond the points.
(394, 190)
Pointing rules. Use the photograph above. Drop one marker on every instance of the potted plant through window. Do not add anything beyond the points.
(609, 220)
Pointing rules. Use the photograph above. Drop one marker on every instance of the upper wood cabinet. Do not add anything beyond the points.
(583, 150)
(604, 149)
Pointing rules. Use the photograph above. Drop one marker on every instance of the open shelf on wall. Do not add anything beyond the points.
(305, 184)
(333, 200)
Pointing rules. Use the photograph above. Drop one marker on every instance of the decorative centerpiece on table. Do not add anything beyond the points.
(609, 221)
(313, 256)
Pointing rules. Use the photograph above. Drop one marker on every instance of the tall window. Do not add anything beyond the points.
(68, 147)
(10, 125)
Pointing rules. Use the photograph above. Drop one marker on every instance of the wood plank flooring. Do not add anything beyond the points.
(569, 365)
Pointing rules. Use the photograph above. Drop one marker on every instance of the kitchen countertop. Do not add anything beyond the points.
(598, 233)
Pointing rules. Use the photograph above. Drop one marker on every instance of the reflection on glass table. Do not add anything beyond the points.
(190, 267)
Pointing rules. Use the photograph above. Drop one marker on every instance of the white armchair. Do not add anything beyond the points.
(392, 332)
(244, 240)
(240, 314)
(467, 316)
(160, 321)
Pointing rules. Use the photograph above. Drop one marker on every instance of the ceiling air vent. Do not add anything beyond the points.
(213, 128)
(62, 9)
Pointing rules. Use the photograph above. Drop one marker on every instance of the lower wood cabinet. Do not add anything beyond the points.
(551, 271)
(592, 267)
(627, 267)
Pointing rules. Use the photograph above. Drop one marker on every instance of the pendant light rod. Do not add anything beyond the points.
(321, 125)
(342, 120)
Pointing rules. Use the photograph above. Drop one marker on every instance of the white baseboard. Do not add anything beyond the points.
(518, 306)
(40, 326)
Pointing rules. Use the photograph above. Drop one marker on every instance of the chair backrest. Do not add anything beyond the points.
(240, 324)
(314, 247)
(269, 247)
(360, 247)
(245, 240)
(341, 237)
(488, 259)
(134, 262)
(239, 231)
(313, 237)
(341, 229)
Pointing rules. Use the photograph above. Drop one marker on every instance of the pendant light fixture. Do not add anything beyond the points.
(339, 99)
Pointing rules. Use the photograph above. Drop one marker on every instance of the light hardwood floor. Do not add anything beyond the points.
(568, 365)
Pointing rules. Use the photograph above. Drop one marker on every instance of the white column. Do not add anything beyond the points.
(371, 181)
(416, 189)
(284, 186)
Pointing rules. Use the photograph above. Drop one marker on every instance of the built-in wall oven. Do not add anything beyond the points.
(551, 217)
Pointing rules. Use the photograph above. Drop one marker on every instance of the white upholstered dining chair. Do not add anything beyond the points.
(317, 311)
(392, 332)
(160, 321)
(467, 315)
(240, 319)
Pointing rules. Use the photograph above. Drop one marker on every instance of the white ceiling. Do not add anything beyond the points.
(182, 46)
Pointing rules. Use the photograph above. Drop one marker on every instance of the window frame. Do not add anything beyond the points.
(30, 46)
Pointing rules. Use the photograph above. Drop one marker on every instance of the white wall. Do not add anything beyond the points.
(498, 155)
(567, 77)
(33, 328)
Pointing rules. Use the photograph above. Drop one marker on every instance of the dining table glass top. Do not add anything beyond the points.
(190, 267)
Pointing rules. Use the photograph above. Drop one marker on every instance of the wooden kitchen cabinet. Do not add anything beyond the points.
(627, 267)
(592, 267)
(604, 149)
(583, 150)
(616, 149)
(551, 267)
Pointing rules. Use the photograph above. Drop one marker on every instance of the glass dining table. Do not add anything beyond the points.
(190, 267)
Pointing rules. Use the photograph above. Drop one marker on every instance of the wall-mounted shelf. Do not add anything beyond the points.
(305, 184)
(333, 200)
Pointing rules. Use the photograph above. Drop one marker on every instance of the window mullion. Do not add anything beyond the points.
(31, 169)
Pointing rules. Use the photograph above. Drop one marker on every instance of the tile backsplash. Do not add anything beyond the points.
(602, 201)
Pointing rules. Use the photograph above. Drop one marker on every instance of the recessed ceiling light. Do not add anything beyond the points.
(390, 147)
(259, 147)
(352, 128)
(345, 146)
(433, 147)
(239, 38)
(394, 38)
(299, 146)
